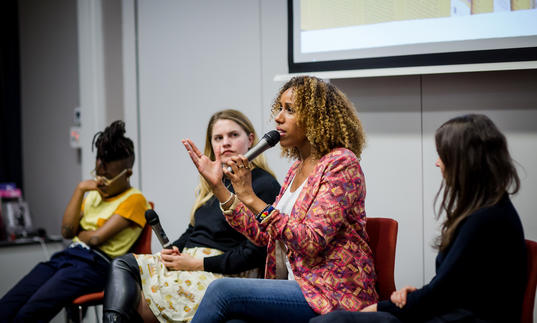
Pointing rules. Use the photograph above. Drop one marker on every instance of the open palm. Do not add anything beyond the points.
(212, 171)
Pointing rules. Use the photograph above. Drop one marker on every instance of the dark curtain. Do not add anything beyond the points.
(10, 108)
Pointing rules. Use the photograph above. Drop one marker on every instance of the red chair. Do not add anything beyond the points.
(141, 246)
(382, 234)
(529, 294)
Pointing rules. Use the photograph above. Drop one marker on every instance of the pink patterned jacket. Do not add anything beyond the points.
(325, 235)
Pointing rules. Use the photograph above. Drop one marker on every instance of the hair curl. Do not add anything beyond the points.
(112, 145)
(327, 115)
(478, 170)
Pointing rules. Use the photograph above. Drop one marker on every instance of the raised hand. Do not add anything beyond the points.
(91, 185)
(88, 185)
(241, 178)
(210, 170)
(72, 214)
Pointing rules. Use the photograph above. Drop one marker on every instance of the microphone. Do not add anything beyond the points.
(270, 139)
(152, 219)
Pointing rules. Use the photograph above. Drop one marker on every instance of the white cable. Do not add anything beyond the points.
(43, 246)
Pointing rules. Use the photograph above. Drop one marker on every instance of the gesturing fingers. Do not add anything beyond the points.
(239, 162)
(195, 148)
(191, 148)
(193, 151)
(243, 162)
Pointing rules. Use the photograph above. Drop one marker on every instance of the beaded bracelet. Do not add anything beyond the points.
(229, 199)
(264, 213)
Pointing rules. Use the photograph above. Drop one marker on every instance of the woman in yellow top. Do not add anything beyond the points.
(103, 225)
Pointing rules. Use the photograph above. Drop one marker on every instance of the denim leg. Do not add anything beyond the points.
(19, 294)
(253, 300)
(74, 278)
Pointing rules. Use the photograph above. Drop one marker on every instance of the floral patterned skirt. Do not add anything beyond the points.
(172, 295)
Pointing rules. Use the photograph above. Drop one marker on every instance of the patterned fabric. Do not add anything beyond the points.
(325, 235)
(174, 296)
(131, 204)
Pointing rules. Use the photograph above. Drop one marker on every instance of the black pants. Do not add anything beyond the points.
(122, 292)
(457, 315)
(355, 317)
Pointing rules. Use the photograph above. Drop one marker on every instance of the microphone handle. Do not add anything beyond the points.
(162, 237)
(164, 242)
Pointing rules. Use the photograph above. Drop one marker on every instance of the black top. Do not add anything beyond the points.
(483, 271)
(211, 230)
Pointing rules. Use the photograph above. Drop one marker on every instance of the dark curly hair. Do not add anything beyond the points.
(328, 116)
(112, 145)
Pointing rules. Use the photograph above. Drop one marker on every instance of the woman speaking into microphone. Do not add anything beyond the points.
(318, 258)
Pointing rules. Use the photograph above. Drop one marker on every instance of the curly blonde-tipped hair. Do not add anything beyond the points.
(203, 191)
(327, 115)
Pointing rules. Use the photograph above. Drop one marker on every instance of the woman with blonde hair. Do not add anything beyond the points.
(318, 258)
(174, 280)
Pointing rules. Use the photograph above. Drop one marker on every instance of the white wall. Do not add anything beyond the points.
(198, 57)
(100, 72)
(400, 116)
(49, 94)
(49, 59)
(389, 108)
(113, 59)
(510, 100)
(49, 62)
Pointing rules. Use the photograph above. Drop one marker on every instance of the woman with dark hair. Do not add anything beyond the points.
(318, 259)
(169, 285)
(104, 218)
(481, 264)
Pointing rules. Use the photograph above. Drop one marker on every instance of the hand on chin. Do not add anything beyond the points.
(102, 191)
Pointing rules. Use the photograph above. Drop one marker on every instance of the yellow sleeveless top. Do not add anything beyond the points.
(130, 204)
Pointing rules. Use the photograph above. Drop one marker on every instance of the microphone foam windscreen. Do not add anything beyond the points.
(151, 217)
(272, 137)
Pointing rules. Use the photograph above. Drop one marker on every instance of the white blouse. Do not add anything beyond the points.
(285, 205)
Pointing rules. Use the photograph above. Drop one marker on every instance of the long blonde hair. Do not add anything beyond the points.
(203, 191)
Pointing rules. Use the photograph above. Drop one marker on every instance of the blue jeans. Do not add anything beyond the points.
(51, 285)
(253, 300)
